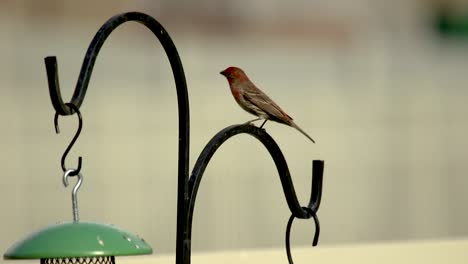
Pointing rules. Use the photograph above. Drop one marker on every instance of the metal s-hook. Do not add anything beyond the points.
(75, 109)
(74, 192)
(288, 232)
(311, 209)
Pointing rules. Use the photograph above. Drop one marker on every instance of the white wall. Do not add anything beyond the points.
(383, 98)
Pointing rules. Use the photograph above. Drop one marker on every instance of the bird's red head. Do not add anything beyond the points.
(234, 73)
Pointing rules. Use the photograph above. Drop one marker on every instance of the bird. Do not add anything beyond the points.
(253, 100)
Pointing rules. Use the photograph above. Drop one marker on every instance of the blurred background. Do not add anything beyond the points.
(380, 85)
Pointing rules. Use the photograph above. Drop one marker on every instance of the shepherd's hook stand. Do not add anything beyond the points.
(187, 186)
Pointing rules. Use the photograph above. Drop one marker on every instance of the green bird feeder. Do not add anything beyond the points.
(78, 242)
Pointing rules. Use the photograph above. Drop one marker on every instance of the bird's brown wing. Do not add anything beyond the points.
(262, 101)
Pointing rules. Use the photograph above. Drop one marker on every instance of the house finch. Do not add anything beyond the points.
(256, 102)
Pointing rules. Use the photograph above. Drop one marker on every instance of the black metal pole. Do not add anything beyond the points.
(186, 189)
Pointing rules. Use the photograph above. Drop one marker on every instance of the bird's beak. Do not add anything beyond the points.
(222, 73)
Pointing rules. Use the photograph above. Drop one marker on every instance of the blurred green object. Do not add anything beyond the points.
(78, 239)
(449, 25)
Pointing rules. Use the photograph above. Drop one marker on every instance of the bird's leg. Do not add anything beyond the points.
(250, 122)
(263, 123)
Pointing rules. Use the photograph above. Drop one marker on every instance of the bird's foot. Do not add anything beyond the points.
(250, 122)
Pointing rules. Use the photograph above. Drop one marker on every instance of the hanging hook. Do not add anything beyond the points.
(311, 209)
(288, 232)
(77, 134)
(74, 192)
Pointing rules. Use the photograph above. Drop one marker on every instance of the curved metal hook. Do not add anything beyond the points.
(77, 134)
(93, 51)
(182, 99)
(288, 232)
(281, 165)
(74, 192)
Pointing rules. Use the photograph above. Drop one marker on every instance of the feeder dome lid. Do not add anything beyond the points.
(78, 239)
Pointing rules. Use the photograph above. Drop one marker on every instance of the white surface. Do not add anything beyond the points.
(428, 252)
(425, 252)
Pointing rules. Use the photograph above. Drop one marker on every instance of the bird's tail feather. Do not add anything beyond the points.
(302, 131)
